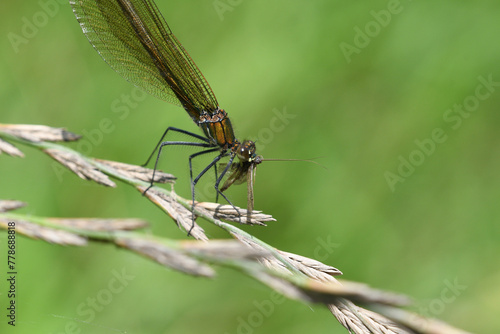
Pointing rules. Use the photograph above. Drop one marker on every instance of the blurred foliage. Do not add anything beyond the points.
(362, 114)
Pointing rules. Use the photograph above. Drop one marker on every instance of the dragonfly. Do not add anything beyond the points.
(135, 40)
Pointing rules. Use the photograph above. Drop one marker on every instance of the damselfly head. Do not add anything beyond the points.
(246, 152)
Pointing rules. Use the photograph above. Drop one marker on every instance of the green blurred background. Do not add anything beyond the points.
(361, 113)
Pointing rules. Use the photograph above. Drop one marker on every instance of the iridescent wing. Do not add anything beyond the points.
(134, 39)
(237, 174)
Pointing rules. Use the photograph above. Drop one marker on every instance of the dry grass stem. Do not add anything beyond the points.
(99, 224)
(80, 166)
(238, 215)
(272, 262)
(137, 172)
(181, 215)
(48, 234)
(417, 322)
(312, 268)
(166, 256)
(8, 148)
(7, 205)
(289, 263)
(361, 321)
(38, 133)
(222, 250)
(359, 293)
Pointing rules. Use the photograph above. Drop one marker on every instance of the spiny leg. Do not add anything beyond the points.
(216, 193)
(166, 143)
(170, 128)
(229, 163)
(195, 181)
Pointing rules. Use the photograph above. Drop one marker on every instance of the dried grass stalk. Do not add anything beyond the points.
(79, 166)
(137, 172)
(48, 234)
(417, 322)
(8, 148)
(38, 133)
(221, 250)
(99, 224)
(312, 268)
(238, 215)
(361, 321)
(8, 205)
(182, 216)
(166, 256)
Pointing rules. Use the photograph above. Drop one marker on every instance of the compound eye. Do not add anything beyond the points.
(243, 154)
(246, 150)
